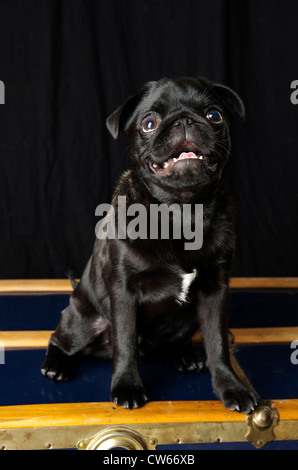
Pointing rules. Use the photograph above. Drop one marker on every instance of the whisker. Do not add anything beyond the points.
(223, 146)
(228, 159)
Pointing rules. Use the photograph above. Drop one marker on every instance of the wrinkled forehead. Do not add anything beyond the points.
(171, 96)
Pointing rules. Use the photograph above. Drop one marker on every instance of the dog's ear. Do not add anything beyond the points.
(119, 120)
(228, 97)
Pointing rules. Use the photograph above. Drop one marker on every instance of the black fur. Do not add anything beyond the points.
(129, 297)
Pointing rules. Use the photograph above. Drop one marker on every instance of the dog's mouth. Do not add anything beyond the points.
(181, 158)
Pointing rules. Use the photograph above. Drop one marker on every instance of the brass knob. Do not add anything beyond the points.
(113, 437)
(262, 417)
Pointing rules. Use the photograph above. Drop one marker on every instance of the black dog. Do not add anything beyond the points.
(137, 294)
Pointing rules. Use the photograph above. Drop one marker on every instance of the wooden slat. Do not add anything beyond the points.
(25, 339)
(261, 335)
(40, 339)
(80, 414)
(64, 285)
(264, 282)
(35, 285)
(265, 335)
(106, 413)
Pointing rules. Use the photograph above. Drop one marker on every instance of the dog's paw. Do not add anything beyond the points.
(189, 360)
(129, 396)
(240, 399)
(57, 365)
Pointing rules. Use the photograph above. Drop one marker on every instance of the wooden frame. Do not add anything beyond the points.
(95, 425)
(64, 285)
(40, 339)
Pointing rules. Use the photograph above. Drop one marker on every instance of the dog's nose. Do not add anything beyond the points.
(183, 121)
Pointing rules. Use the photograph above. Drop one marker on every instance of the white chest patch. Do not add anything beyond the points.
(187, 279)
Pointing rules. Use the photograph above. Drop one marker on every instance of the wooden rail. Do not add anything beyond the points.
(40, 339)
(80, 414)
(64, 285)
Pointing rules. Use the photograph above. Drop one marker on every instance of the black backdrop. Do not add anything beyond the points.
(67, 64)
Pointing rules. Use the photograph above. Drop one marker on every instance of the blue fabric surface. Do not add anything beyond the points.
(268, 367)
(249, 308)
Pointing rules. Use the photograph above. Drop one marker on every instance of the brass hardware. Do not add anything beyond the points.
(158, 434)
(119, 436)
(264, 419)
(261, 425)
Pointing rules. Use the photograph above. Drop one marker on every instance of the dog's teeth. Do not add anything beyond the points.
(154, 165)
(165, 165)
(175, 160)
(213, 167)
(201, 157)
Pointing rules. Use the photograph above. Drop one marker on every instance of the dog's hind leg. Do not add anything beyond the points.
(74, 332)
(57, 365)
(188, 359)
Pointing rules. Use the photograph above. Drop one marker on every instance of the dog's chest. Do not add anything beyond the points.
(156, 286)
(187, 280)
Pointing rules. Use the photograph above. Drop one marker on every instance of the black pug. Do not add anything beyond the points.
(140, 294)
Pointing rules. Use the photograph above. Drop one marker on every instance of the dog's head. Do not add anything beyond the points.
(179, 133)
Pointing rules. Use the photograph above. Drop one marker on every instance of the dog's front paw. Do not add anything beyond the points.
(240, 399)
(129, 396)
(233, 393)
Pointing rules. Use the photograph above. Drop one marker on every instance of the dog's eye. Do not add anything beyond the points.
(214, 116)
(150, 123)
